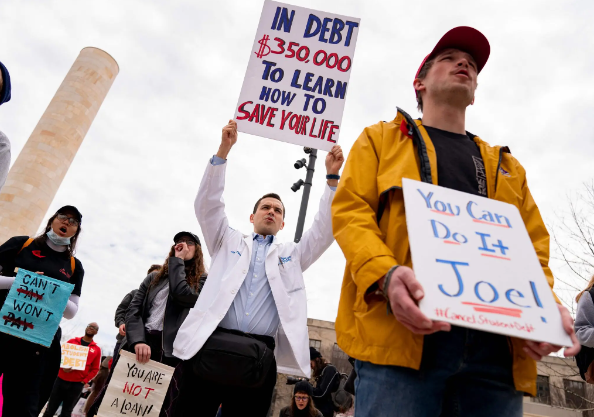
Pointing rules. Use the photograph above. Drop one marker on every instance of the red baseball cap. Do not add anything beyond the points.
(466, 39)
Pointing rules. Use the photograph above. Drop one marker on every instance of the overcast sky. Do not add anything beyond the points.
(181, 69)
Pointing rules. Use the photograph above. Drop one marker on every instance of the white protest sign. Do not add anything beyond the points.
(74, 356)
(297, 77)
(477, 265)
(135, 388)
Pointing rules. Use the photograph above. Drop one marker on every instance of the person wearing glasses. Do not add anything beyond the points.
(301, 403)
(70, 383)
(157, 310)
(28, 382)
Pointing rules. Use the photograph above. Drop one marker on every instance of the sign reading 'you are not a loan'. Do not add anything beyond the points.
(478, 266)
(297, 78)
(136, 389)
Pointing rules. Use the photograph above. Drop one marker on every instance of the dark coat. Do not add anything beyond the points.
(120, 314)
(179, 302)
(286, 412)
(327, 383)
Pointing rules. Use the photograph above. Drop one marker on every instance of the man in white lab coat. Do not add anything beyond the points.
(255, 285)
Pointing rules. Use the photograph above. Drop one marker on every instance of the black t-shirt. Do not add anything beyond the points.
(459, 162)
(83, 343)
(38, 257)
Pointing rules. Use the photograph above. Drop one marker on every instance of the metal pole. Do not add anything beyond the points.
(305, 198)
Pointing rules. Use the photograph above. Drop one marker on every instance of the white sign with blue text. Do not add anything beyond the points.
(477, 265)
(297, 78)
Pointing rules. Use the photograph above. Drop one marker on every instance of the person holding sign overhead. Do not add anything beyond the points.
(462, 371)
(70, 383)
(254, 300)
(28, 381)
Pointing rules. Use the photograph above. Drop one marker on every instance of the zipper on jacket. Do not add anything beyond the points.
(501, 150)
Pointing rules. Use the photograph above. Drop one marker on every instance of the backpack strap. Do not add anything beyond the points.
(425, 170)
(31, 239)
(27, 243)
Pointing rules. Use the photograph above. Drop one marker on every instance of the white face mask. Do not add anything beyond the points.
(58, 240)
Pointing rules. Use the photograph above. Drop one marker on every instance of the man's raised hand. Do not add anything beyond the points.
(334, 161)
(228, 139)
(404, 293)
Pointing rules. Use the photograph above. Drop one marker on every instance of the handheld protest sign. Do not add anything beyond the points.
(297, 77)
(74, 356)
(135, 388)
(34, 307)
(477, 265)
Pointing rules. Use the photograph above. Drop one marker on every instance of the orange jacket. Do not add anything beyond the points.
(372, 183)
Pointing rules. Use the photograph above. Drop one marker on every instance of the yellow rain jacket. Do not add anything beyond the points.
(369, 224)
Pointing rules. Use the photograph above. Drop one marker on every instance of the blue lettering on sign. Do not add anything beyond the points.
(487, 216)
(495, 293)
(322, 28)
(514, 293)
(236, 252)
(458, 277)
(439, 205)
(282, 19)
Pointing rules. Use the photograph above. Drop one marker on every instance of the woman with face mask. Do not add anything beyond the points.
(301, 404)
(28, 381)
(159, 308)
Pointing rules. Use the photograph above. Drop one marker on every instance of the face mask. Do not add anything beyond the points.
(58, 240)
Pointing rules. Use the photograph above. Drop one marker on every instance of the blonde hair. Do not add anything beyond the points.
(588, 288)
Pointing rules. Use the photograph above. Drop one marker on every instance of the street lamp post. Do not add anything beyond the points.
(313, 154)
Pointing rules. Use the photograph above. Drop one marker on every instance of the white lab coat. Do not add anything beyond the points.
(230, 251)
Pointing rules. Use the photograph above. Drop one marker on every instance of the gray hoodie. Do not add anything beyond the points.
(584, 320)
(4, 158)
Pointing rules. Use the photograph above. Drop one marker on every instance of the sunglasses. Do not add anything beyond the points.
(71, 220)
(93, 327)
(300, 398)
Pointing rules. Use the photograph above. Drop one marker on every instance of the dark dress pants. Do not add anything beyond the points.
(202, 398)
(66, 393)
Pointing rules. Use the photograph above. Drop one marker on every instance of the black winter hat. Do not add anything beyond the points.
(303, 386)
(6, 88)
(313, 353)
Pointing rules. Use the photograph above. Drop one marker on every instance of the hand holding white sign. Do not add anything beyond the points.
(479, 269)
(405, 292)
(537, 350)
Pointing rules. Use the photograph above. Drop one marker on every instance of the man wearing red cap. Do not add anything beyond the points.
(408, 365)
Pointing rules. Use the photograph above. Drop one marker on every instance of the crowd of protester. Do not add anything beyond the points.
(253, 297)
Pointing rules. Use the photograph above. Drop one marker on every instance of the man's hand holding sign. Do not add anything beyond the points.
(479, 270)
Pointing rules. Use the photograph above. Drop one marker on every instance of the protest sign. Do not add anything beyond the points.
(34, 307)
(135, 388)
(477, 265)
(74, 356)
(297, 77)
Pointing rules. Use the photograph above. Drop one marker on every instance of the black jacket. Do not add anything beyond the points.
(120, 314)
(181, 298)
(326, 384)
(286, 412)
